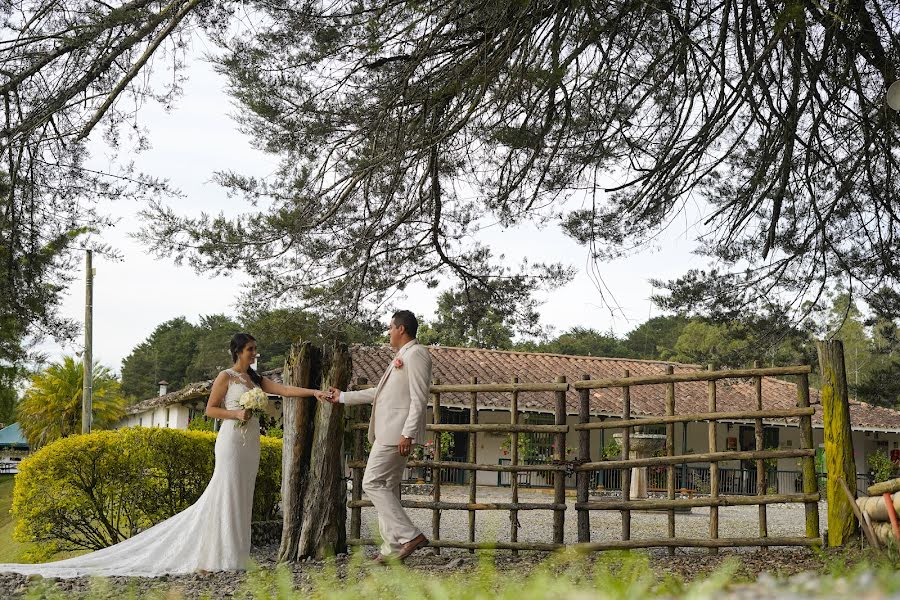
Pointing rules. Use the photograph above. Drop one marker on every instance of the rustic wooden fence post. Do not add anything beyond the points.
(626, 451)
(559, 477)
(436, 471)
(670, 451)
(810, 479)
(473, 474)
(302, 368)
(761, 486)
(357, 414)
(839, 459)
(713, 466)
(582, 478)
(514, 460)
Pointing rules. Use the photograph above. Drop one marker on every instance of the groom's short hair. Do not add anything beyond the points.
(408, 320)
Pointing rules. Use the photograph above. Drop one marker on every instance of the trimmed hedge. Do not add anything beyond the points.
(92, 491)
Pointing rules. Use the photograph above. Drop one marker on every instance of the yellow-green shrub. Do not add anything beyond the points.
(91, 491)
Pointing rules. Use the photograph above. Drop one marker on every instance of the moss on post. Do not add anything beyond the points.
(839, 460)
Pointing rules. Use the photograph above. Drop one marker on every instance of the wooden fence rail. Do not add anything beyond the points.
(584, 468)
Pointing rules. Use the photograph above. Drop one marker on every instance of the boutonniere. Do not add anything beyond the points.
(398, 363)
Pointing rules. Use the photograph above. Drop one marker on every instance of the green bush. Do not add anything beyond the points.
(881, 465)
(201, 423)
(92, 491)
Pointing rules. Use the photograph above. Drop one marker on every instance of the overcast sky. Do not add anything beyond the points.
(198, 137)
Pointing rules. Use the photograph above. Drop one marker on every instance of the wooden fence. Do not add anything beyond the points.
(584, 468)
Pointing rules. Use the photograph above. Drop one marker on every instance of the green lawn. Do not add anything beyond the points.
(10, 550)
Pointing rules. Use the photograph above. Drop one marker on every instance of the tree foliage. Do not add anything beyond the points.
(68, 68)
(179, 352)
(406, 127)
(277, 329)
(485, 314)
(51, 407)
(582, 341)
(164, 356)
(211, 347)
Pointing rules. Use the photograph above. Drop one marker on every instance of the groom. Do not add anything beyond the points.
(398, 422)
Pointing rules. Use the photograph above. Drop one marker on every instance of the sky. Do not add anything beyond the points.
(198, 137)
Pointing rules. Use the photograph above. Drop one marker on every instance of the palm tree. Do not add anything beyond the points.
(51, 407)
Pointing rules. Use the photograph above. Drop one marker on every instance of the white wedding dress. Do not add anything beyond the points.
(213, 534)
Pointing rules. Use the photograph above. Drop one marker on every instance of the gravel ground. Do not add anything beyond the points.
(797, 565)
(536, 525)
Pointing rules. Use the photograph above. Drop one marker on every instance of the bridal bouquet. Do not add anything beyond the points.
(255, 400)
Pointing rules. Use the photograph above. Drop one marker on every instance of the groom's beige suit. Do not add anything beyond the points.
(399, 401)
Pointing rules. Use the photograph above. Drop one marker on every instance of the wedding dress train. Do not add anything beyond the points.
(213, 534)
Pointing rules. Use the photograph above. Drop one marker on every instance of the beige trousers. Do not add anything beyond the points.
(381, 483)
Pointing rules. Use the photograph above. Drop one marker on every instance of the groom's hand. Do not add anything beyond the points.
(405, 445)
(333, 395)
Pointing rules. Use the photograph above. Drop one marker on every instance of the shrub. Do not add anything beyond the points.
(201, 423)
(881, 465)
(611, 451)
(92, 491)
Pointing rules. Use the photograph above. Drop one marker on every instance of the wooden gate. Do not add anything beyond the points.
(584, 469)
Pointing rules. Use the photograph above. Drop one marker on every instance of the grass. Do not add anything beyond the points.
(565, 575)
(625, 576)
(611, 576)
(10, 550)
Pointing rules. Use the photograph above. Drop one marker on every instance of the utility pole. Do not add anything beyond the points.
(87, 391)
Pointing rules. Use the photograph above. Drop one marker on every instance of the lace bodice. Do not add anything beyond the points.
(238, 383)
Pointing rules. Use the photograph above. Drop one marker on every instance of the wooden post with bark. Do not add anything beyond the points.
(302, 368)
(838, 441)
(358, 413)
(324, 532)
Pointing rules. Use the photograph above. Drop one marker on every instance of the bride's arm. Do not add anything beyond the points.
(217, 397)
(289, 391)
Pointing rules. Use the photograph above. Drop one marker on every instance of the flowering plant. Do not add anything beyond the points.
(254, 400)
(398, 363)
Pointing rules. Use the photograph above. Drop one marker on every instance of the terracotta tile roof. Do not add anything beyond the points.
(459, 365)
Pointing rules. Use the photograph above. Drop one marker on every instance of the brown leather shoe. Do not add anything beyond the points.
(411, 546)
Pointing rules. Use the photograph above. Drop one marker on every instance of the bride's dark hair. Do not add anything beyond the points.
(237, 344)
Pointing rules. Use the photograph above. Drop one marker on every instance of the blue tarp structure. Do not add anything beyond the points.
(11, 437)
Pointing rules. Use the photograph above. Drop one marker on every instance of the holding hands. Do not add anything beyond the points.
(333, 395)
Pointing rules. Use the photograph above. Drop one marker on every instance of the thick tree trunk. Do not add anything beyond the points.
(303, 368)
(324, 530)
(839, 459)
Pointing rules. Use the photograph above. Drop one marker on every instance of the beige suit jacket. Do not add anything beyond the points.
(400, 398)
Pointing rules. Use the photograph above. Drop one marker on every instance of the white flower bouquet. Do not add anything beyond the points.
(254, 400)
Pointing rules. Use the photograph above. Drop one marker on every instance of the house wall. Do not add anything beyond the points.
(172, 417)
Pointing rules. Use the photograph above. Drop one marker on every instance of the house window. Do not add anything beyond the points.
(168, 414)
(543, 442)
(459, 416)
(748, 437)
(770, 437)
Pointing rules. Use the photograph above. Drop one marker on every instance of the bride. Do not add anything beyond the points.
(214, 533)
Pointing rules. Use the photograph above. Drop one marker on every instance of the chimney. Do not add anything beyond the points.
(163, 386)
